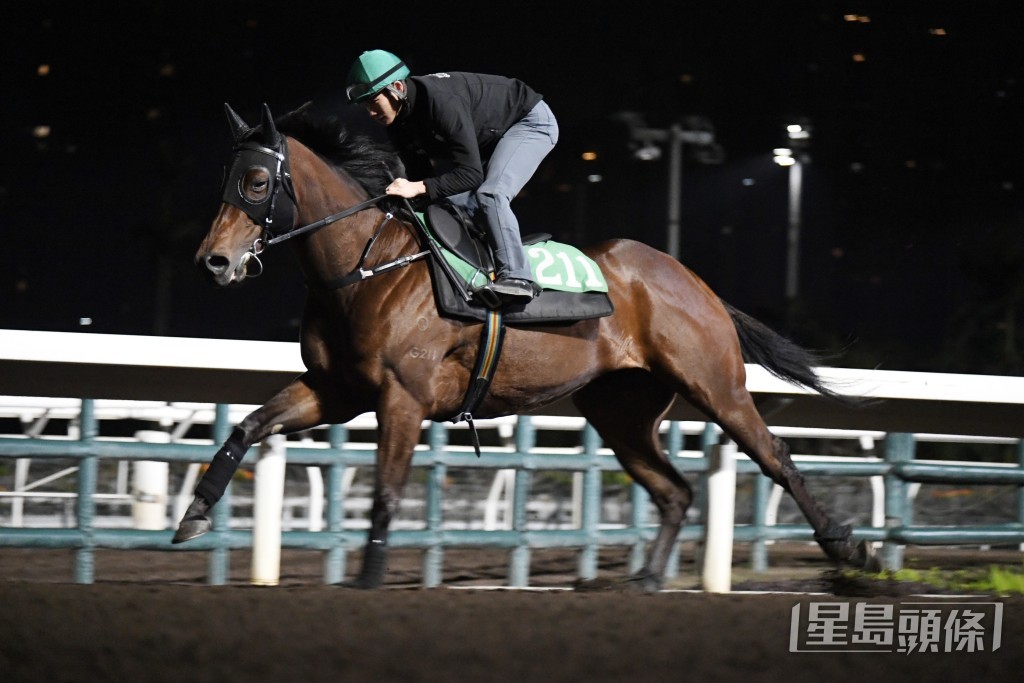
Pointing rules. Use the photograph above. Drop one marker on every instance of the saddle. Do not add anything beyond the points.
(457, 290)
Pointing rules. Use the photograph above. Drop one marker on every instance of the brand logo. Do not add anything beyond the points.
(910, 627)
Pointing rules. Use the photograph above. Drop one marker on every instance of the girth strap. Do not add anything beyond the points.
(491, 340)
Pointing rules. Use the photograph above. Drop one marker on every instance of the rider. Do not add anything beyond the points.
(473, 138)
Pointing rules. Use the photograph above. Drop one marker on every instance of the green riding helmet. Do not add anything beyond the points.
(372, 72)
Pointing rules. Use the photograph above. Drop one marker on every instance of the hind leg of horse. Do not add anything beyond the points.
(733, 409)
(629, 426)
(298, 406)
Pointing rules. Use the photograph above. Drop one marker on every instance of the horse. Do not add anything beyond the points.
(378, 344)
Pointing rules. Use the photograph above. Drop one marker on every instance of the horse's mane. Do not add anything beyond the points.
(370, 163)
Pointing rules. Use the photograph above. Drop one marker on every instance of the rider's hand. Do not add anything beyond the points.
(406, 188)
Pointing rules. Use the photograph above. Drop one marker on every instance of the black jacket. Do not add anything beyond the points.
(450, 124)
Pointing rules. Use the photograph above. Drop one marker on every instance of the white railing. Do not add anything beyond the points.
(175, 383)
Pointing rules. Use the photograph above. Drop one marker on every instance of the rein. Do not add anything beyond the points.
(333, 218)
(360, 273)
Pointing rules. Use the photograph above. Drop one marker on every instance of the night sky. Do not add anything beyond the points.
(913, 202)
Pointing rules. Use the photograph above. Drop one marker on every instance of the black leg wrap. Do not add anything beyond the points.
(211, 487)
(375, 559)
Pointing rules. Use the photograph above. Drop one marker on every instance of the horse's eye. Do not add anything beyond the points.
(255, 184)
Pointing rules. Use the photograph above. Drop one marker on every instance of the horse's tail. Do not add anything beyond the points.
(780, 356)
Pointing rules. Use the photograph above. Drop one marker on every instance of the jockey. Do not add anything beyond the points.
(473, 138)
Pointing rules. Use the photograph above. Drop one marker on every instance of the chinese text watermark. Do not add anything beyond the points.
(907, 627)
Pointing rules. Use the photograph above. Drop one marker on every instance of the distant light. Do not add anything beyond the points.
(43, 70)
(797, 132)
(859, 57)
(167, 70)
(937, 31)
(589, 156)
(864, 19)
(594, 178)
(856, 167)
(41, 132)
(85, 321)
(648, 153)
(152, 114)
(911, 163)
(783, 156)
(686, 78)
(747, 182)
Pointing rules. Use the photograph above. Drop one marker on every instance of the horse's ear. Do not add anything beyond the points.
(239, 128)
(270, 136)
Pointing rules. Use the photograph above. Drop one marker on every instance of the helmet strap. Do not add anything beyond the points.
(399, 95)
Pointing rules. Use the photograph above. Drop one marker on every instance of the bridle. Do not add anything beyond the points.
(276, 211)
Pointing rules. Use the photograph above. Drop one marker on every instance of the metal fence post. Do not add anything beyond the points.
(674, 442)
(334, 558)
(86, 503)
(637, 520)
(708, 441)
(759, 549)
(899, 448)
(1020, 489)
(519, 558)
(219, 561)
(433, 555)
(591, 516)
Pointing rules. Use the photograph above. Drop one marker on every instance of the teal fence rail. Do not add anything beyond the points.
(898, 468)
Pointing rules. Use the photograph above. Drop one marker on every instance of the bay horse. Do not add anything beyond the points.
(380, 345)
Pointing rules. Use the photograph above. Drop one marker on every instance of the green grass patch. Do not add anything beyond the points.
(992, 579)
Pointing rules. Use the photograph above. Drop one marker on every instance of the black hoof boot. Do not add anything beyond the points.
(375, 560)
(194, 523)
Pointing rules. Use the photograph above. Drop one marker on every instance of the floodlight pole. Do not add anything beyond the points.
(675, 189)
(796, 176)
(674, 136)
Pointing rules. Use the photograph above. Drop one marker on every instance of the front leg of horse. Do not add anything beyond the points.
(295, 408)
(399, 418)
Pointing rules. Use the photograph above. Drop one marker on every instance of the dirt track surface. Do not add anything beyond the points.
(149, 617)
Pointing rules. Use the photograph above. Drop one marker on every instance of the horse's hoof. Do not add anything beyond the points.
(194, 523)
(595, 585)
(867, 558)
(191, 527)
(643, 582)
(361, 584)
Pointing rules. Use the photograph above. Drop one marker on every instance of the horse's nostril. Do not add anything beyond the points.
(217, 264)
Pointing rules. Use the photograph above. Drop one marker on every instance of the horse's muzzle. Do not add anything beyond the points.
(220, 270)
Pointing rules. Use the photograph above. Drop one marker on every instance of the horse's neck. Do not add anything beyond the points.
(336, 249)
